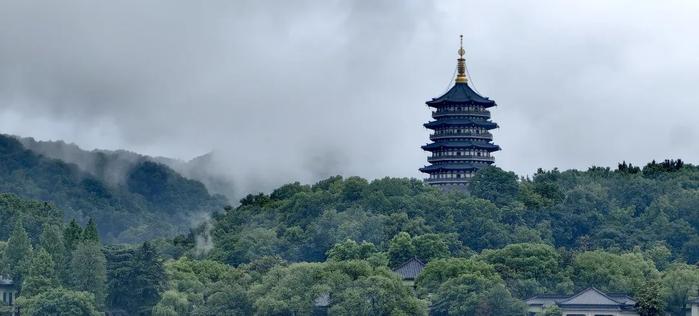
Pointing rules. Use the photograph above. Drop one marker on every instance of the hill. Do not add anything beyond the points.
(145, 200)
(111, 166)
(600, 208)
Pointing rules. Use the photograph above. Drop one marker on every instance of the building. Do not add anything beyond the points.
(693, 307)
(461, 141)
(8, 294)
(589, 302)
(410, 270)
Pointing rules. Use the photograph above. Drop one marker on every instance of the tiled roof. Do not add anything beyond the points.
(588, 297)
(461, 144)
(451, 166)
(460, 122)
(410, 269)
(461, 93)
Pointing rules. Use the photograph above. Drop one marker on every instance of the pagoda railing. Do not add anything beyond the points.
(447, 180)
(443, 135)
(462, 157)
(442, 113)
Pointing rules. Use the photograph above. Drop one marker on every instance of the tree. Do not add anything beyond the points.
(649, 299)
(18, 253)
(351, 250)
(376, 295)
(51, 240)
(495, 185)
(475, 294)
(88, 271)
(430, 246)
(527, 268)
(173, 303)
(72, 235)
(498, 301)
(58, 301)
(148, 277)
(41, 276)
(400, 249)
(3, 245)
(611, 272)
(437, 272)
(553, 310)
(226, 298)
(680, 283)
(90, 233)
(290, 290)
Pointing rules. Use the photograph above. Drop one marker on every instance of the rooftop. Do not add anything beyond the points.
(461, 93)
(460, 122)
(410, 269)
(588, 297)
(462, 144)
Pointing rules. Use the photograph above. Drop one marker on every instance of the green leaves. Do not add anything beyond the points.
(59, 301)
(41, 276)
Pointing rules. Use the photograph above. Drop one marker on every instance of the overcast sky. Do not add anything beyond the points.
(298, 90)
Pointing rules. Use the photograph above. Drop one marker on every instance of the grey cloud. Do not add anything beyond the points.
(298, 90)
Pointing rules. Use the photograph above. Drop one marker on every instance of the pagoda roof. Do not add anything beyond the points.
(451, 166)
(461, 93)
(462, 144)
(460, 121)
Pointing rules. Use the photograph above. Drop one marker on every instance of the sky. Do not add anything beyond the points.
(285, 91)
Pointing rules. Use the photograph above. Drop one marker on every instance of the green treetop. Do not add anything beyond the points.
(41, 276)
(18, 253)
(88, 271)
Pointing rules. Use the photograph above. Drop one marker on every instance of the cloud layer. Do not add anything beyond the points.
(286, 91)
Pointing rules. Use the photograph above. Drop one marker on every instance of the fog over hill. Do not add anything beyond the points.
(112, 166)
(130, 197)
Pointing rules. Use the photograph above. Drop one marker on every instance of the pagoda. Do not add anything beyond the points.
(461, 142)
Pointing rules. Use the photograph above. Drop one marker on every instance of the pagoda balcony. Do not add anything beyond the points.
(442, 113)
(446, 180)
(485, 135)
(432, 159)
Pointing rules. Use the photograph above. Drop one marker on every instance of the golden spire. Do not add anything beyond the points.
(461, 75)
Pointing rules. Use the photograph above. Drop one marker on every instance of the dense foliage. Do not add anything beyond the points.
(153, 201)
(306, 249)
(655, 209)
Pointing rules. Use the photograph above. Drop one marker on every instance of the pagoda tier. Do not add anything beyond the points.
(461, 145)
(461, 141)
(462, 121)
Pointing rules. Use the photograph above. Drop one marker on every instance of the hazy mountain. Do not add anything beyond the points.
(111, 166)
(131, 197)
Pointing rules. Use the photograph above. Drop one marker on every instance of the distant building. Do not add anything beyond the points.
(461, 141)
(693, 308)
(321, 305)
(410, 270)
(589, 302)
(8, 293)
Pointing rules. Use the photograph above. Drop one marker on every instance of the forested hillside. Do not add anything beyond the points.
(152, 200)
(631, 230)
(600, 208)
(112, 166)
(334, 243)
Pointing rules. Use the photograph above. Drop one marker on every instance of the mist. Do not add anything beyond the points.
(282, 92)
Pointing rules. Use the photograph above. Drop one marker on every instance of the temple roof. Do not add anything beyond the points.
(451, 166)
(587, 297)
(461, 93)
(410, 269)
(460, 122)
(467, 144)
